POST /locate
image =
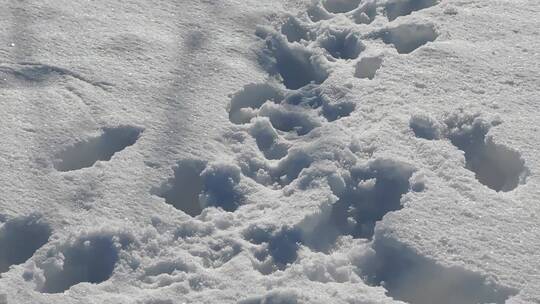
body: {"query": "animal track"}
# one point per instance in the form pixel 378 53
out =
pixel 86 153
pixel 89 258
pixel 197 185
pixel 412 278
pixel 20 238
pixel 365 192
pixel 495 166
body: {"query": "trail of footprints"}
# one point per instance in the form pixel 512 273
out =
pixel 289 106
pixel 294 102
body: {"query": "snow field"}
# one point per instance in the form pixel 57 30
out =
pixel 239 211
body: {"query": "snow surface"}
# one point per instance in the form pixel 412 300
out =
pixel 278 151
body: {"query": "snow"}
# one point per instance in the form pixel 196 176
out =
pixel 280 151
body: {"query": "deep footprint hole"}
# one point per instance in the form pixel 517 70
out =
pixel 102 148
pixel 495 166
pixel 375 190
pixel 278 247
pixel 20 238
pixel 296 65
pixel 283 247
pixel 197 185
pixel 342 44
pixel 370 192
pixel 289 168
pixel 90 259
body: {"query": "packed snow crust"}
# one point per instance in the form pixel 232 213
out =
pixel 279 151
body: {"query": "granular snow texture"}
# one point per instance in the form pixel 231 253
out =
pixel 279 151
